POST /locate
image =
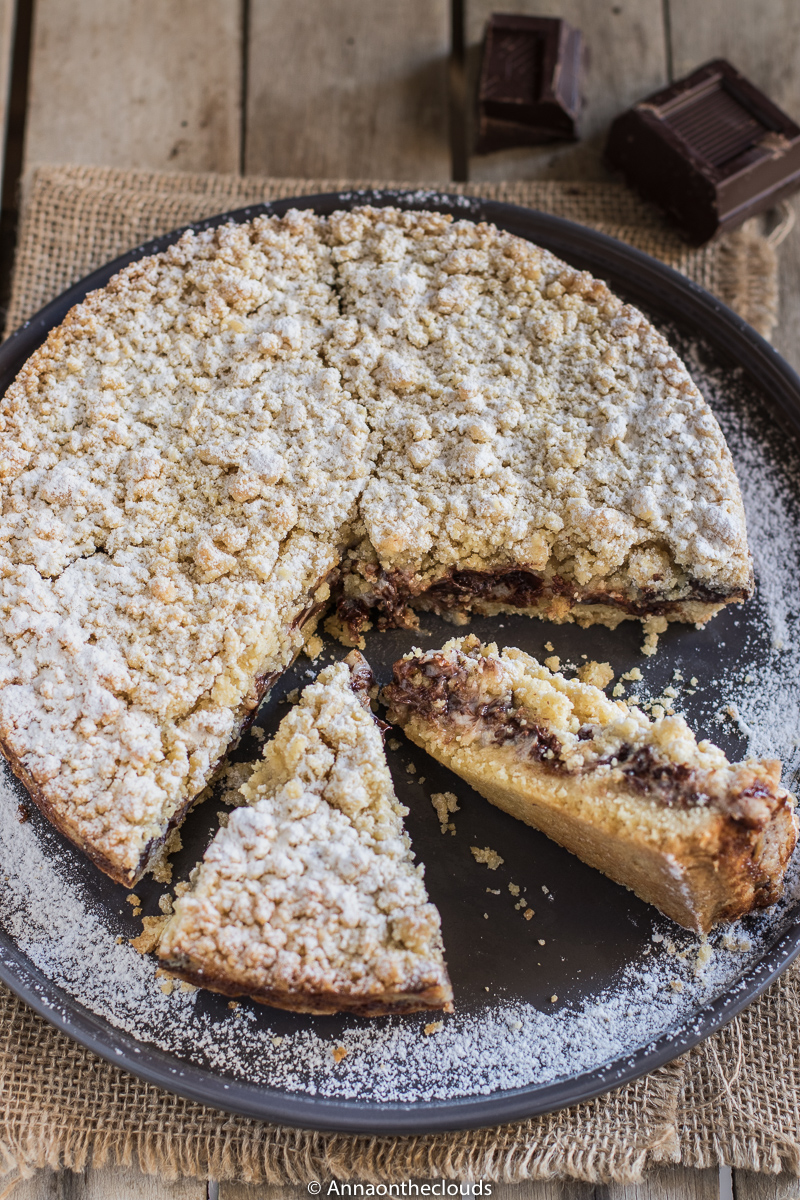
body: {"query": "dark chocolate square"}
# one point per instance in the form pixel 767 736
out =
pixel 711 149
pixel 529 87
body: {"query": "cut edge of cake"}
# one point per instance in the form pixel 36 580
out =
pixel 702 839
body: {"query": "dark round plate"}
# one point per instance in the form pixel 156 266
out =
pixel 586 931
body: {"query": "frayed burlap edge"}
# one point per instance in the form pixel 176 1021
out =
pixel 734 1099
pixel 62 1106
pixel 76 218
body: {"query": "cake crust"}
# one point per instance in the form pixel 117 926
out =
pixel 702 839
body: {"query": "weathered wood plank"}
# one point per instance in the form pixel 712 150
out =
pixel 552 1189
pixel 765 1187
pixel 763 41
pixel 348 89
pixel 627 59
pixel 107 1183
pixel 136 83
pixel 7 9
pixel 673 1183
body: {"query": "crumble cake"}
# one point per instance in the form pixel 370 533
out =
pixel 703 839
pixel 376 411
pixel 309 898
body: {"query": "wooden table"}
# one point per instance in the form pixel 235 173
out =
pixel 351 88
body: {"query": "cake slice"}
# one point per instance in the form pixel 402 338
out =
pixel 309 898
pixel 703 839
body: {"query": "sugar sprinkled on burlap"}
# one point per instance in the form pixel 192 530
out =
pixel 734 1099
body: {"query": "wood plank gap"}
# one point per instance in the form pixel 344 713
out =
pixel 667 12
pixel 13 146
pixel 245 21
pixel 458 95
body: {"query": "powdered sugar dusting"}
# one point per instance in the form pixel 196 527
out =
pixel 51 911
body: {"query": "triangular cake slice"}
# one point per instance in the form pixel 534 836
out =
pixel 703 839
pixel 309 898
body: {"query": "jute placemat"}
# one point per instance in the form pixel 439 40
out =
pixel 735 1099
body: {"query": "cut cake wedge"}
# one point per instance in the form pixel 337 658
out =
pixel 703 839
pixel 309 898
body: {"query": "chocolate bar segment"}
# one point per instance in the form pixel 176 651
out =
pixel 529 89
pixel 711 149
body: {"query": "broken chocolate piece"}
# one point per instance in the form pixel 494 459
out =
pixel 529 89
pixel 711 149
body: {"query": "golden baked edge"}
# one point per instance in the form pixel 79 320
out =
pixel 714 870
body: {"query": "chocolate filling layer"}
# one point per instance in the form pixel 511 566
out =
pixel 387 596
pixel 441 690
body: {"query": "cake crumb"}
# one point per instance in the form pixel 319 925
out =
pixel 528 914
pixel 445 803
pixel 618 690
pixel 187 987
pixel 394 744
pixel 634 675
pixel 694 681
pixel 293 696
pixel 148 939
pixel 541 941
pixel 233 1004
pixel 676 985
pixel 277 1041
pixel 435 1026
pixel 182 888
pixel 553 663
pixel 514 889
pixel 549 646
pixel 486 916
pixel 553 999
pixel 652 627
pixel 165 904
pixel 488 856
pixel 704 956
pixel 167 986
pixel 312 647
pixel 598 674
pixel 339 1052
pixel 411 769
pixel 546 890
pixel 493 891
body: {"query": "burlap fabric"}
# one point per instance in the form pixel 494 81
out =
pixel 735 1099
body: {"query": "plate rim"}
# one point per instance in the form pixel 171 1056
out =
pixel 645 280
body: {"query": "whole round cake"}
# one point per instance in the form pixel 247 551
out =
pixel 362 415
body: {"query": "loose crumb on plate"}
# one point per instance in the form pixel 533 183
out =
pixel 596 673
pixel 488 856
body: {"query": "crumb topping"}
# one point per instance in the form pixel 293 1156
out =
pixel 312 887
pixel 191 454
pixel 479 695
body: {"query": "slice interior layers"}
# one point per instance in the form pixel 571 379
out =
pixel 703 839
pixel 309 898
